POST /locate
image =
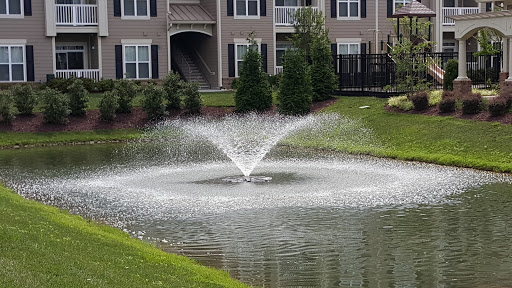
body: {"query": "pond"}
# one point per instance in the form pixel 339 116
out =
pixel 325 219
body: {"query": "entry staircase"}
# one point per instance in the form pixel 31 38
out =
pixel 185 61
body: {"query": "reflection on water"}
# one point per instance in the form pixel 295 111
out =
pixel 336 221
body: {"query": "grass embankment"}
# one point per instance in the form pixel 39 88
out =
pixel 441 140
pixel 42 246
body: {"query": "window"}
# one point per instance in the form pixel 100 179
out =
pixel 280 50
pixel 348 48
pixel 400 3
pixel 241 50
pixel 70 57
pixel 135 8
pixel 10 8
pixel 289 3
pixel 12 63
pixel 348 9
pixel 247 8
pixel 349 53
pixel 137 61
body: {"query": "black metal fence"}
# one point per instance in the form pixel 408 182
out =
pixel 375 74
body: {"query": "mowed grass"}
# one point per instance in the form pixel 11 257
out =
pixel 441 140
pixel 41 246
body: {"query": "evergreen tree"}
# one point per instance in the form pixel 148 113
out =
pixel 294 95
pixel 78 98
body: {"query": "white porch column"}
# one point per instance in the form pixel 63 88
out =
pixel 506 66
pixel 508 57
pixel 462 60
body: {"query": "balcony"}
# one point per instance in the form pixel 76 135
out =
pixel 454 11
pixel 284 14
pixel 83 73
pixel 76 14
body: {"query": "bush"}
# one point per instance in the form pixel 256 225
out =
pixel 172 85
pixel 55 106
pixel 78 98
pixel 192 99
pixel 434 97
pixel 153 101
pixel 447 104
pixel 508 97
pixel 447 94
pixel 7 110
pixel 472 103
pixel 253 93
pixel 294 95
pixel 323 79
pixel 108 105
pixel 126 90
pixel 450 74
pixel 400 102
pixel 24 98
pixel 420 100
pixel 498 106
pixel 104 85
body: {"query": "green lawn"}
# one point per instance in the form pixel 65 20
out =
pixel 41 246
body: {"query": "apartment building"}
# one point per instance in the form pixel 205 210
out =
pixel 204 40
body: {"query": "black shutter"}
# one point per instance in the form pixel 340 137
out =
pixel 363 48
pixel 333 9
pixel 231 60
pixel 334 50
pixel 27 6
pixel 29 51
pixel 154 61
pixel 308 2
pixel 488 6
pixel 152 8
pixel 119 62
pixel 363 8
pixel 391 8
pixel 117 8
pixel 230 8
pixel 263 7
pixel 265 59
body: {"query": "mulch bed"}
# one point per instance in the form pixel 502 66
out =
pixel 135 119
pixel 434 111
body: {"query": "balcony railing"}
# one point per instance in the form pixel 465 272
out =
pixel 84 73
pixel 284 15
pixel 76 14
pixel 454 11
pixel 279 69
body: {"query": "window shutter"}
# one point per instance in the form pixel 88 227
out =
pixel 265 59
pixel 154 62
pixel 119 62
pixel 363 48
pixel 152 8
pixel 308 2
pixel 334 50
pixel 391 8
pixel 27 6
pixel 117 8
pixel 263 7
pixel 231 60
pixel 230 8
pixel 363 8
pixel 333 9
pixel 29 51
pixel 488 6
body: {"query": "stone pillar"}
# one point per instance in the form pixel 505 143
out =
pixel 462 85
pixel 463 74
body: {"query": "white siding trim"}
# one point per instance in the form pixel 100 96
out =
pixel 137 41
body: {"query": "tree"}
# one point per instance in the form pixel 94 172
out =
pixel 172 86
pixel 294 95
pixel 308 26
pixel 78 98
pixel 254 92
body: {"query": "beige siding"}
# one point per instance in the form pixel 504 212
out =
pixel 208 50
pixel 154 29
pixel 32 29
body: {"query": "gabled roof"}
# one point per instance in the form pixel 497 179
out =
pixel 189 14
pixel 414 9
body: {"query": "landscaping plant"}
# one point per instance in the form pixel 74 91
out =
pixel 472 103
pixel 55 106
pixel 153 101
pixel 78 98
pixel 7 109
pixel 498 106
pixel 447 104
pixel 109 104
pixel 450 74
pixel 294 94
pixel 420 100
pixel 192 98
pixel 24 98
pixel 126 90
pixel 172 85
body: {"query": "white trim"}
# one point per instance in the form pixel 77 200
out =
pixel 137 41
pixel 403 2
pixel 348 17
pixel 257 16
pixel 245 43
pixel 219 43
pixel 13 41
pixel 348 47
pixel 85 52
pixel 135 17
pixel 137 61
pixel 13 16
pixel 24 62
pixel 348 40
pixel 100 57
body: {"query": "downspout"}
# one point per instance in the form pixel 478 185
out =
pixel 376 26
pixel 168 39
pixel 219 43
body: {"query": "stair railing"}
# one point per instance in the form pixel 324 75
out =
pixel 203 67
pixel 183 61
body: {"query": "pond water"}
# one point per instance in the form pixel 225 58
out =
pixel 325 220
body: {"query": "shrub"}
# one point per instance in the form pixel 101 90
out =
pixel 450 74
pixel 7 110
pixel 126 90
pixel 508 97
pixel 434 97
pixel 172 85
pixel 447 104
pixel 234 84
pixel 153 101
pixel 24 98
pixel 192 99
pixel 420 100
pixel 78 98
pixel 323 79
pixel 472 103
pixel 498 106
pixel 108 105
pixel 59 84
pixel 447 94
pixel 55 106
pixel 294 95
pixel 104 85
pixel 400 102
pixel 253 93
